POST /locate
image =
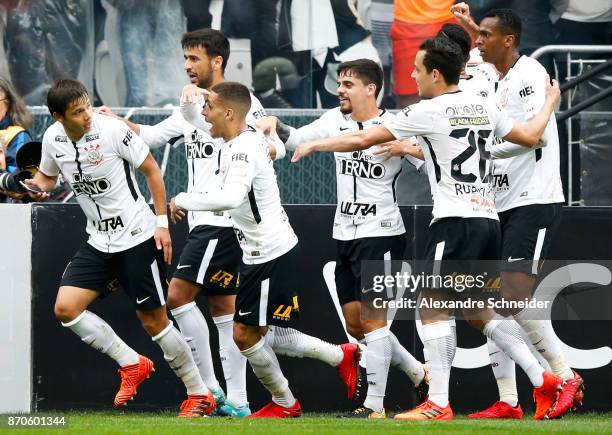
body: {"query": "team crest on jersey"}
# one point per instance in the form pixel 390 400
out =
pixel 94 156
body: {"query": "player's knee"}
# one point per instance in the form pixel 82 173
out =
pixel 355 330
pixel 66 312
pixel 178 295
pixel 244 336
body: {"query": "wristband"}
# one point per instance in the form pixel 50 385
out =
pixel 162 221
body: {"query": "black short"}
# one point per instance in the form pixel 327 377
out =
pixel 140 271
pixel 268 293
pixel 527 234
pixel 456 238
pixel 211 257
pixel 350 254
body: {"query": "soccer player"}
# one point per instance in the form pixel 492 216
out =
pixel 210 259
pixel 455 129
pixel 368 224
pixel 97 155
pixel 268 287
pixel 529 199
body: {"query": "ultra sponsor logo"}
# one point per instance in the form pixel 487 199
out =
pixel 283 312
pixel 110 224
pixel 357 208
pixel 222 278
pixel 85 184
pixel 500 182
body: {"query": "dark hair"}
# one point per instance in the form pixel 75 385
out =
pixel 63 93
pixel 18 112
pixel 509 22
pixel 458 35
pixel 365 70
pixel 214 42
pixel 234 95
pixel 444 55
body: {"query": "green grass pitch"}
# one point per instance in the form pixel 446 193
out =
pixel 167 423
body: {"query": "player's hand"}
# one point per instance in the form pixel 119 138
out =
pixel 163 241
pixel 267 124
pixel 104 110
pixel 399 148
pixel 461 11
pixel 302 150
pixel 176 214
pixel 36 196
pixel 553 93
pixel 192 94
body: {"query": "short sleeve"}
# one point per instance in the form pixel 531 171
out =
pixel 533 92
pixel 128 144
pixel 48 166
pixel 256 111
pixel 242 156
pixel 411 121
pixel 502 123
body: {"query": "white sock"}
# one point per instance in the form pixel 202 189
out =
pixel 178 356
pixel 543 338
pixel 440 350
pixel 267 369
pixel 234 364
pixel 291 342
pixel 194 328
pixel 98 334
pixel 534 351
pixel 377 363
pixel 506 334
pixel 505 374
pixel 404 360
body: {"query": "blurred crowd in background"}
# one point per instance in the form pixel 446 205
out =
pixel 128 52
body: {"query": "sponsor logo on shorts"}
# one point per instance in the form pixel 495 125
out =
pixel 222 278
pixel 112 285
pixel 283 312
pixel 240 313
pixel 512 260
pixel 183 266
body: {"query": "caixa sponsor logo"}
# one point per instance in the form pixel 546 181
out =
pixel 362 169
pixel 357 208
pixel 467 110
pixel 84 184
pixel 200 150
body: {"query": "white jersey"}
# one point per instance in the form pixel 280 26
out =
pixel 455 131
pixel 480 80
pixel 365 182
pixel 202 154
pixel 260 221
pixel 100 170
pixel 532 177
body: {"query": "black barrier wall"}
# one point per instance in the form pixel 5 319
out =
pixel 68 374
